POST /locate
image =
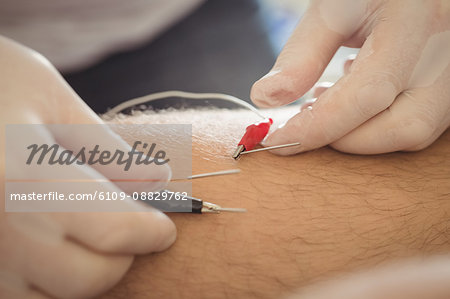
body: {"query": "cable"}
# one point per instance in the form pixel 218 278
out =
pixel 181 94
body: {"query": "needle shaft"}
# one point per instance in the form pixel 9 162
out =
pixel 235 210
pixel 270 148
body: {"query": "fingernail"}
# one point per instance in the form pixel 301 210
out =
pixel 278 138
pixel 163 176
pixel 264 142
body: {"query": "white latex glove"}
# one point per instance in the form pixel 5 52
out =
pixel 68 255
pixel 396 95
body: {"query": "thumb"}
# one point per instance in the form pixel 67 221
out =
pixel 321 31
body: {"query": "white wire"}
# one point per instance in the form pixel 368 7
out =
pixel 181 94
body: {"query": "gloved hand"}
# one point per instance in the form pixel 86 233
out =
pixel 396 95
pixel 67 254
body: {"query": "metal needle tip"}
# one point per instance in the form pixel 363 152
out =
pixel 238 151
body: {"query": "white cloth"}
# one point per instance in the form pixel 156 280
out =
pixel 74 34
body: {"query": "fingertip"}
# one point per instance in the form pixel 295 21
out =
pixel 167 232
pixel 279 137
pixel 162 176
pixel 156 233
pixel 301 128
pixel 277 88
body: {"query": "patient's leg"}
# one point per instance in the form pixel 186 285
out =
pixel 309 215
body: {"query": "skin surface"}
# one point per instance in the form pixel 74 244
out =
pixel 309 217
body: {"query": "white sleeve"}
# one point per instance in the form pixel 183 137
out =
pixel 74 34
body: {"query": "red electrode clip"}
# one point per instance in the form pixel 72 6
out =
pixel 254 134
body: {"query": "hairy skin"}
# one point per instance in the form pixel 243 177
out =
pixel 309 216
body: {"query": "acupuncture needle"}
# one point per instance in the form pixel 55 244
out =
pixel 216 173
pixel 199 206
pixel 269 148
pixel 207 207
pixel 194 205
pixel 190 204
